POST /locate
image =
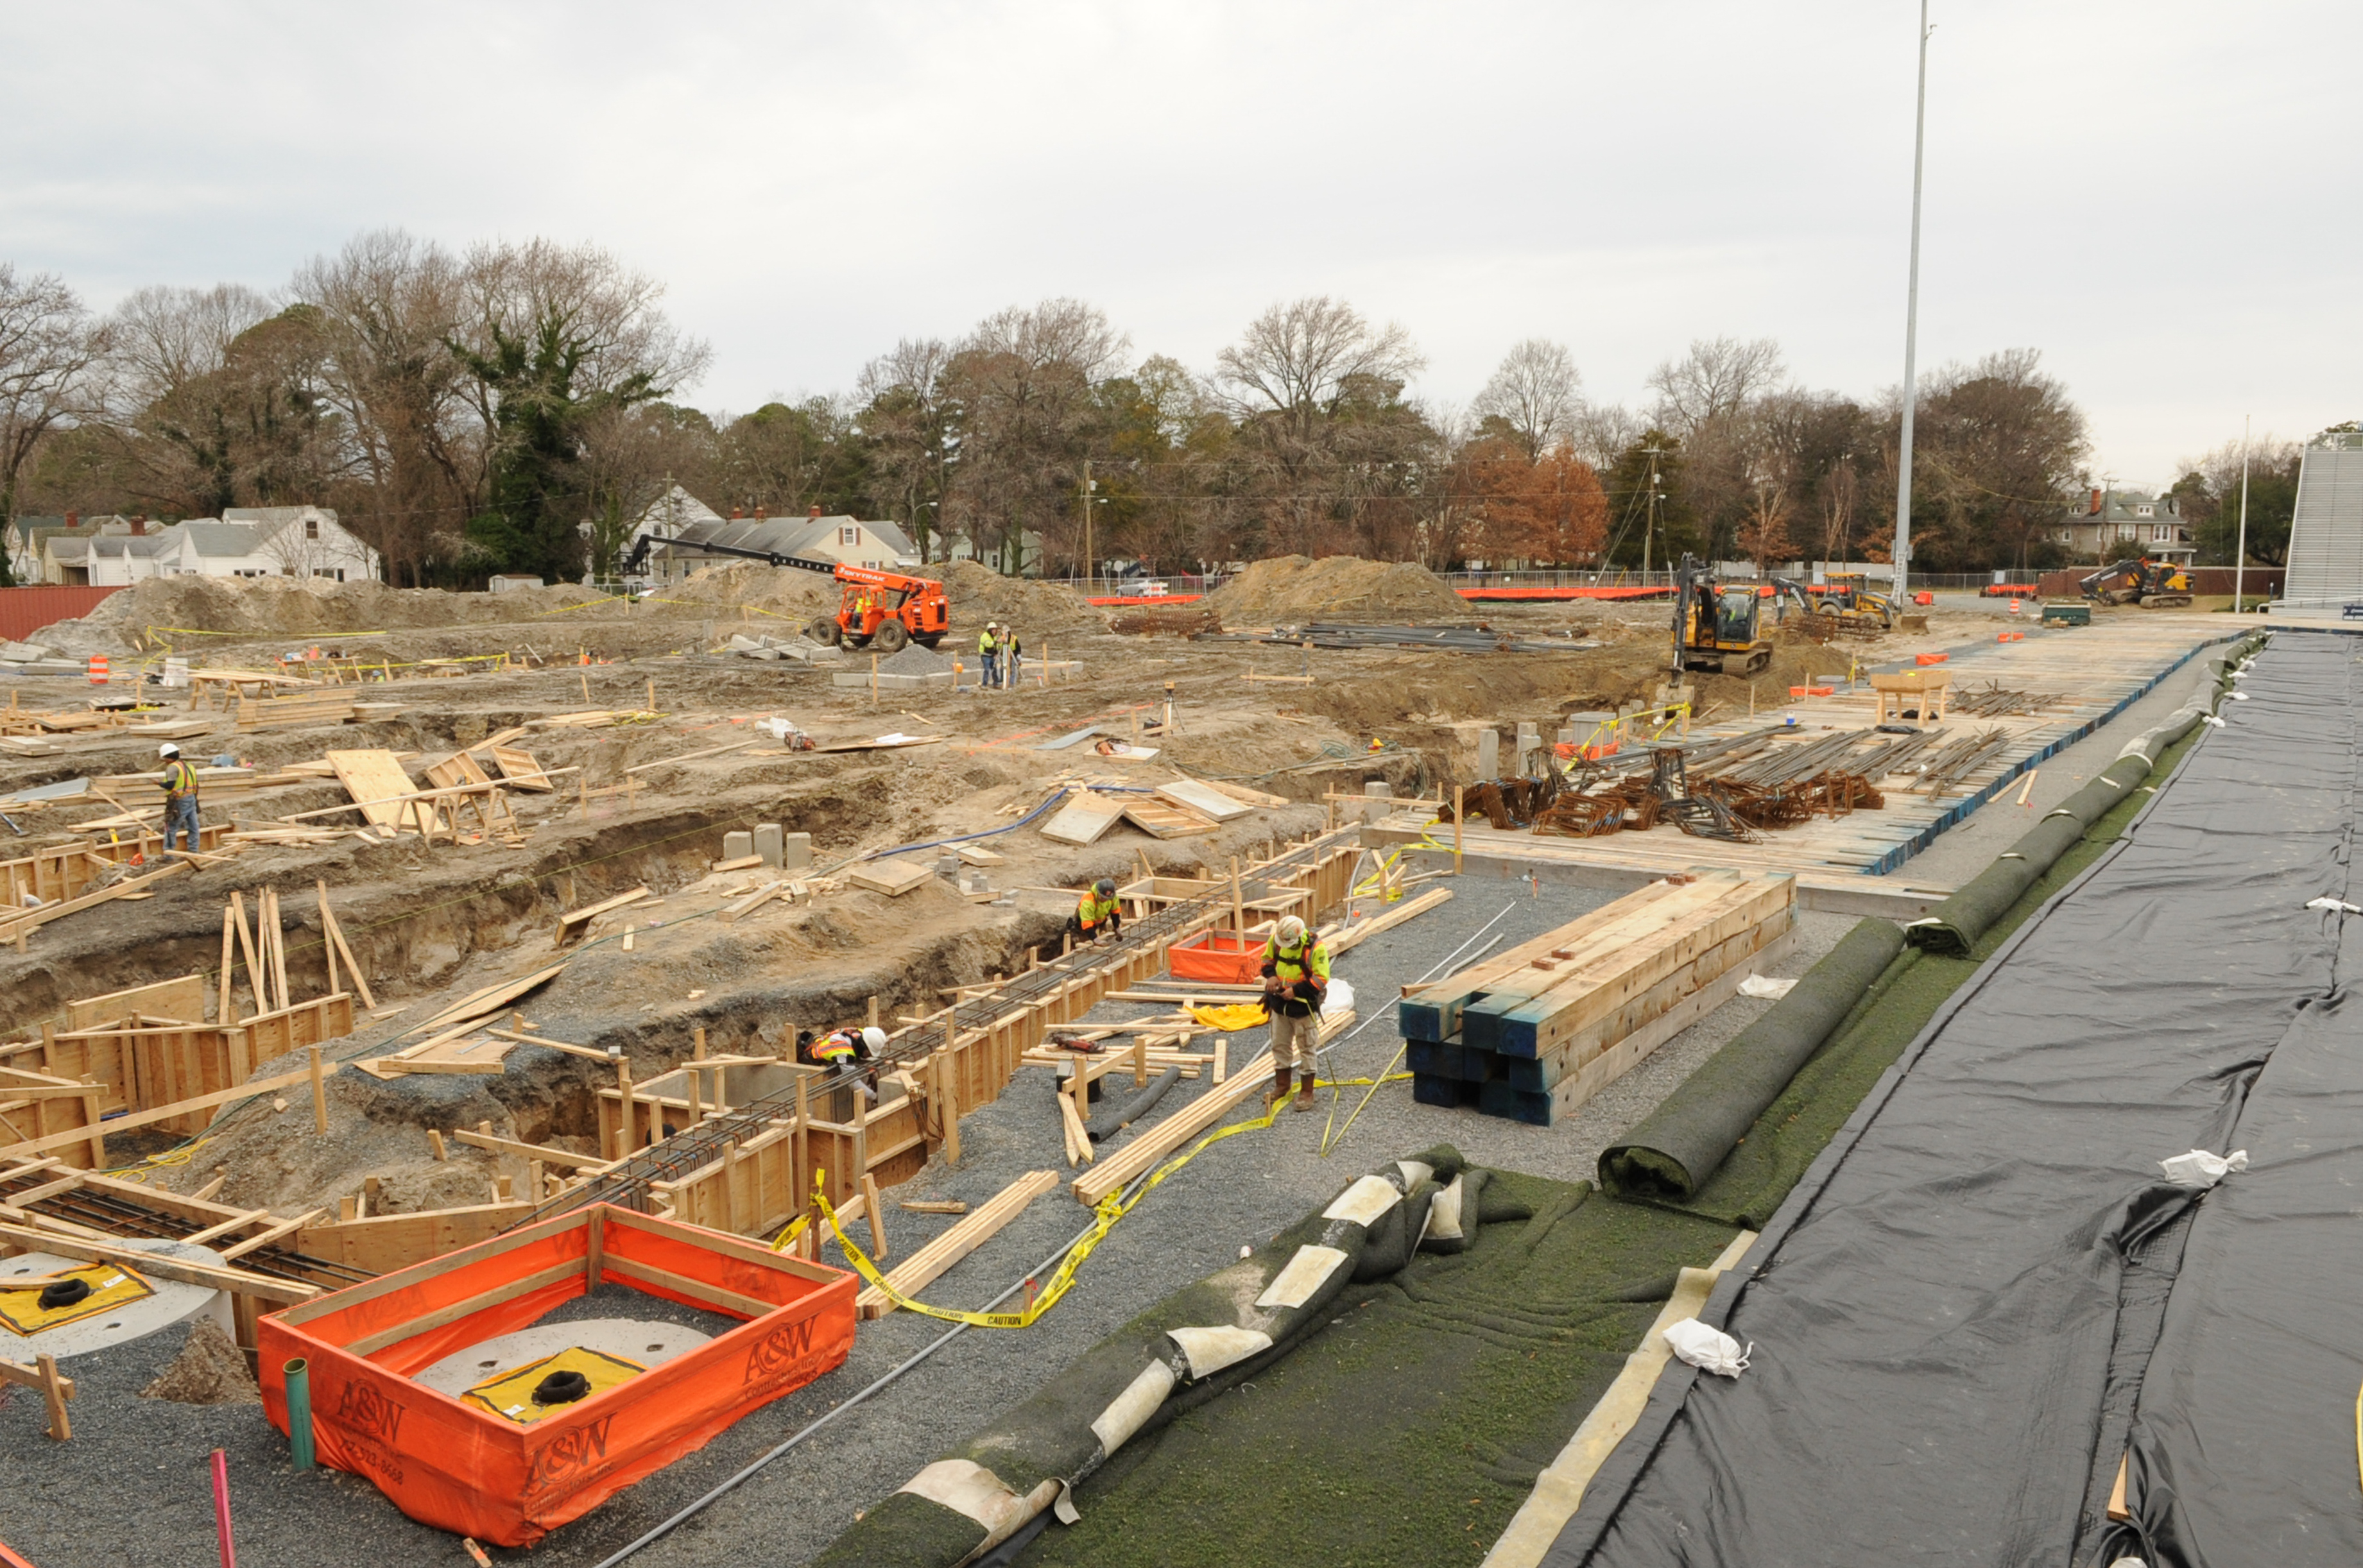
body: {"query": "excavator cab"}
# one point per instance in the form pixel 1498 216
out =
pixel 1716 627
pixel 2153 585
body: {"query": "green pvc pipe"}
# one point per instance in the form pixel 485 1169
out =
pixel 299 1411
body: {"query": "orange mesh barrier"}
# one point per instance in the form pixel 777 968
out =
pixel 467 1470
pixel 1217 956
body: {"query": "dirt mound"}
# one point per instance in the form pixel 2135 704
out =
pixel 209 1371
pixel 772 592
pixel 1288 589
pixel 167 609
pixel 913 659
pixel 978 594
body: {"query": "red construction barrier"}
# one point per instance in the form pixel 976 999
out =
pixel 1927 658
pixel 1217 956
pixel 1151 599
pixel 24 611
pixel 1564 592
pixel 465 1469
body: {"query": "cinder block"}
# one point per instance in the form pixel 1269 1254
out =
pixel 766 843
pixel 737 844
pixel 796 852
pixel 1489 754
pixel 1378 797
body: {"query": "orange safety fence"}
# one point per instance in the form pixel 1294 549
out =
pixel 468 1469
pixel 1221 955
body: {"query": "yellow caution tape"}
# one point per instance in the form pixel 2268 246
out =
pixel 1110 1210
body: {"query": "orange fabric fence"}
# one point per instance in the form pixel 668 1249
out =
pixel 473 1473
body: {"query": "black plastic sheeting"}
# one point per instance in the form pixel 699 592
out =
pixel 1674 1149
pixel 1952 1314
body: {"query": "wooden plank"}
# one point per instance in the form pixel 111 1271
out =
pixel 519 770
pixel 1203 799
pixel 523 1151
pixel 23 1239
pixel 697 1290
pixel 932 1261
pixel 573 919
pixel 463 1057
pixel 455 770
pixel 1409 909
pixel 370 1344
pixel 1084 820
pixel 1243 793
pixel 1435 1015
pixel 264 1238
pixel 161 1113
pixel 183 998
pixel 755 900
pixel 1161 819
pixel 29 919
pixel 377 784
pixel 491 998
pixel 892 877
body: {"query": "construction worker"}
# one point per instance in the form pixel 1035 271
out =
pixel 179 797
pixel 988 649
pixel 1012 656
pixel 1096 912
pixel 1295 981
pixel 841 1048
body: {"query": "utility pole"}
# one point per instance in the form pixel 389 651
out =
pixel 2240 555
pixel 1649 517
pixel 1087 525
pixel 1912 329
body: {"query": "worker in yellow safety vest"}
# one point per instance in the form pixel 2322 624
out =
pixel 842 1048
pixel 1295 982
pixel 1097 912
pixel 179 798
pixel 988 649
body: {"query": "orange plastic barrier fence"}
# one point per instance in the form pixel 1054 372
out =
pixel 1217 956
pixel 475 1472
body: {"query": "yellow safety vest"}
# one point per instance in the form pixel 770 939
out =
pixel 834 1049
pixel 1290 965
pixel 180 779
pixel 1091 908
pixel 984 643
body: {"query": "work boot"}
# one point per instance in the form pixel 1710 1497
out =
pixel 1304 1092
pixel 1279 1077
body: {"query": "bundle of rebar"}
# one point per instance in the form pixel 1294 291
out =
pixel 1996 700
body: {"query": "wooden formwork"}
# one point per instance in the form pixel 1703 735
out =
pixel 144 1060
pixel 36 1104
pixel 52 874
pixel 384 1242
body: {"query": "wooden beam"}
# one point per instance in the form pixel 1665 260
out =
pixel 370 1344
pixel 236 1222
pixel 264 1238
pixel 932 1261
pixel 23 1238
pixel 697 1290
pixel 522 1151
pixel 161 1113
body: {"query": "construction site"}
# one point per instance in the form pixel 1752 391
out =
pixel 1794 1086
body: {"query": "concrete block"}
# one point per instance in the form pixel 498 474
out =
pixel 737 844
pixel 796 852
pixel 1489 754
pixel 768 838
pixel 948 867
pixel 1378 799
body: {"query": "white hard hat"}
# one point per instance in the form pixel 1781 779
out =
pixel 168 749
pixel 1291 930
pixel 874 1037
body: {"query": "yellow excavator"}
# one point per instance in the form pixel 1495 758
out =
pixel 1715 627
pixel 2153 585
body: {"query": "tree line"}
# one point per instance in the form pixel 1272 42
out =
pixel 516 408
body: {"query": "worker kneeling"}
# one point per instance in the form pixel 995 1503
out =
pixel 1096 913
pixel 841 1048
pixel 1295 982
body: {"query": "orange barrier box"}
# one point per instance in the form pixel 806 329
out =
pixel 469 1470
pixel 1223 956
pixel 1927 658
pixel 1812 691
pixel 2010 636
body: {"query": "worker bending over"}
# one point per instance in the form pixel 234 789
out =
pixel 841 1048
pixel 179 797
pixel 1097 912
pixel 1295 982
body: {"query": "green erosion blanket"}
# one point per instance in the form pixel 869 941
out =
pixel 1677 1147
pixel 1409 1430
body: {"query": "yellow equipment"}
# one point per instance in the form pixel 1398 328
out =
pixel 2153 585
pixel 1715 625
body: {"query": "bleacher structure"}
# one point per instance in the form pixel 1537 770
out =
pixel 2325 551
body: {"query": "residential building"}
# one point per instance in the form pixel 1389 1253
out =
pixel 2116 524
pixel 665 517
pixel 853 541
pixel 253 541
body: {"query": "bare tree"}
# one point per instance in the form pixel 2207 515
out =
pixel 1537 393
pixel 1023 381
pixel 48 352
pixel 165 338
pixel 1603 432
pixel 1716 379
pixel 1300 359
pixel 909 417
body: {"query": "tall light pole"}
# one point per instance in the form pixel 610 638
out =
pixel 1911 328
pixel 2240 555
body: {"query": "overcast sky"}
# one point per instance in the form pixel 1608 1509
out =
pixel 2161 197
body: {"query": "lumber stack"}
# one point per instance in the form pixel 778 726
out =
pixel 1536 1032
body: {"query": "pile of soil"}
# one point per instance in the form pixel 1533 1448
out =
pixel 771 591
pixel 209 1371
pixel 978 594
pixel 294 607
pixel 1288 589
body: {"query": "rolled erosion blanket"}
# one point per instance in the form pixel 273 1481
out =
pixel 1955 925
pixel 1108 1123
pixel 1677 1146
pixel 1189 1347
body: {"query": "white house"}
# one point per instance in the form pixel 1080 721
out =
pixel 245 541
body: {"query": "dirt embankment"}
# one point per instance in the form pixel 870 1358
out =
pixel 1290 590
pixel 978 594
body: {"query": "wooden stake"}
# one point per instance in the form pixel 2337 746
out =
pixel 229 956
pixel 1459 816
pixel 327 947
pixel 624 1087
pixel 246 950
pixel 652 694
pixel 877 1216
pixel 435 1139
pixel 586 687
pixel 352 965
pixel 873 1012
pixel 319 1093
pixel 801 1175
pixel 55 1391
pixel 1238 906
